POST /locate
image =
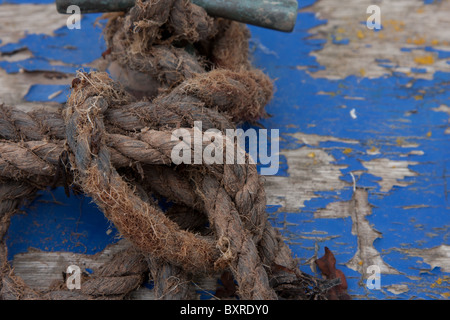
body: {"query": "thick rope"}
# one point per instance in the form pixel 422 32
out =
pixel 117 150
pixel 233 183
pixel 148 228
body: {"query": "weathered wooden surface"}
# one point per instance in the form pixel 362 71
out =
pixel 366 150
pixel 40 269
pixel 364 121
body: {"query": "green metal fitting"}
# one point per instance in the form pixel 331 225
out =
pixel 278 15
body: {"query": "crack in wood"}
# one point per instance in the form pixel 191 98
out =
pixel 358 208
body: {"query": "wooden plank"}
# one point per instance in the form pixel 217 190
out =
pixel 364 121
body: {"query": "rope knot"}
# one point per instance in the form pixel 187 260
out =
pixel 176 66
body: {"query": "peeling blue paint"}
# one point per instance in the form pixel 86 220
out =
pixel 441 54
pixel 388 103
pixel 74 47
pixel 337 41
pixel 419 70
pixel 47 92
pixel 26 1
pixel 34 65
pixel 431 1
pixel 389 116
pixel 66 52
pixel 73 225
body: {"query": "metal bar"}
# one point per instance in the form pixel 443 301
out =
pixel 279 15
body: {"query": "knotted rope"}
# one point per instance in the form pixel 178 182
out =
pixel 117 150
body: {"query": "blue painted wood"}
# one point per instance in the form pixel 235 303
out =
pixel 297 102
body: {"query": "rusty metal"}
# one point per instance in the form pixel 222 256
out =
pixel 279 15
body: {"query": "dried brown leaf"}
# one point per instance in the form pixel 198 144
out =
pixel 229 287
pixel 327 265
